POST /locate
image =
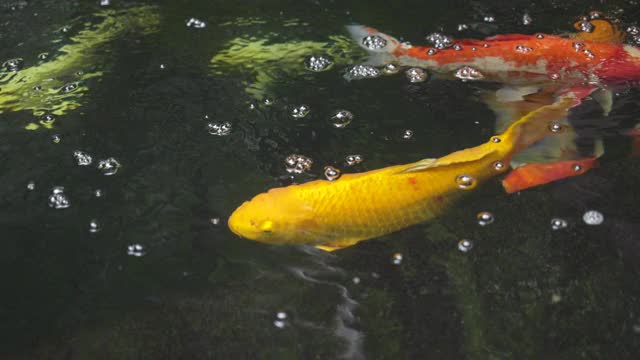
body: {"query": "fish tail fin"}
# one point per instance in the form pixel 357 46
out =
pixel 539 123
pixel 382 48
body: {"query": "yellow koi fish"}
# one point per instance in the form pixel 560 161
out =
pixel 331 215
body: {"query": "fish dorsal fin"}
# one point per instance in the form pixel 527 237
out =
pixel 418 166
pixel 509 37
pixel 603 30
pixel 458 157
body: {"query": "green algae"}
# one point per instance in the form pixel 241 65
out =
pixel 41 89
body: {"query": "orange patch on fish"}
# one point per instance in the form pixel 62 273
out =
pixel 531 175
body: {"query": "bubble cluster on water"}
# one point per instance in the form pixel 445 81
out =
pixel 396 259
pixel 31 185
pixel 300 111
pixel 489 19
pixel 109 166
pixel 390 69
pixel 485 218
pixel 593 217
pixel 331 173
pixel 318 63
pixel 633 35
pixel 82 158
pixel 94 226
pixel 463 27
pixel 362 71
pixel 136 250
pixel 13 64
pixel 523 49
pixel 439 40
pixel 297 164
pixel 527 19
pixel 558 224
pixel 219 128
pixel 465 245
pixel 341 118
pixel 468 73
pixel 466 182
pixel 416 75
pixel 374 42
pixel 586 26
pixel 196 23
pixel 354 159
pixel 58 199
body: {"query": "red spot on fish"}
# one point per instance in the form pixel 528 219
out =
pixel 414 183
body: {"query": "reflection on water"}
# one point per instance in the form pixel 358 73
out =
pixel 140 264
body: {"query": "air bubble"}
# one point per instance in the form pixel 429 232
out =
pixel 555 127
pixel 136 250
pixel 432 52
pixel 489 19
pixel 440 41
pixel 407 134
pixel 281 315
pixel 358 72
pixel 495 139
pixel 527 19
pixel 56 138
pixel 374 42
pixel 300 111
pixel 58 199
pixel 297 164
pixel 465 245
pixel 577 167
pixel 523 49
pixel 586 26
pixel 355 159
pixel 98 193
pixel 558 224
pixel 31 185
pixel 67 88
pixel 219 128
pixel 341 118
pixel 396 259
pixel 416 75
pixel 462 27
pixel 466 182
pixel 82 158
pixel 539 36
pixel 331 173
pixel 279 324
pixel 468 73
pixel 457 47
pixel 593 217
pixel 109 166
pixel 390 69
pixel 498 165
pixel 47 119
pixel 196 23
pixel 94 226
pixel 13 64
pixel 318 63
pixel 485 218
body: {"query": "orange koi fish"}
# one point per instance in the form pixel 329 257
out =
pixel 335 214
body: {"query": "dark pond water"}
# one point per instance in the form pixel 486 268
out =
pixel 141 265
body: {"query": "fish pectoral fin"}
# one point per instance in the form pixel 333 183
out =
pixel 604 97
pixel 603 30
pixel 530 175
pixel 328 248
